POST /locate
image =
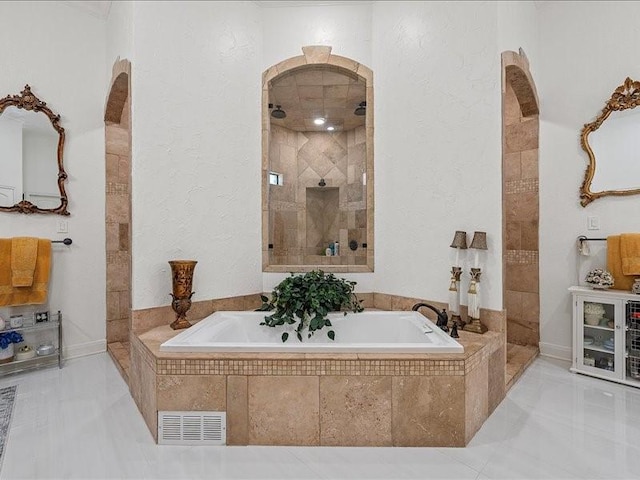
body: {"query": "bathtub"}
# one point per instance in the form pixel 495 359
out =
pixel 366 332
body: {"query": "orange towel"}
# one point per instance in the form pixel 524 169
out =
pixel 24 252
pixel 630 253
pixel 37 292
pixel 614 265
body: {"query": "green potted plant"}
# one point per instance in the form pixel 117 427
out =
pixel 307 299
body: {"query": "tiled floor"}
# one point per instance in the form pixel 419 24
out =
pixel 519 357
pixel 80 422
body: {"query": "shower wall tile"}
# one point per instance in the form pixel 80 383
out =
pixel 529 235
pixel 522 332
pixel 513 236
pixel 112 237
pixel 512 167
pixel 530 307
pixel 513 304
pixel 512 113
pixel 113 305
pixel 117 140
pixel 522 278
pixel 118 330
pixel 112 164
pixel 529 164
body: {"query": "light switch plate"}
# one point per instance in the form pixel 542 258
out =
pixel 62 226
pixel 593 223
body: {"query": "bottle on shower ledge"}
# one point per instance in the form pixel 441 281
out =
pixel 336 248
pixel 327 252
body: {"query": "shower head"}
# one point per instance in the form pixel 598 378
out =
pixel 278 112
pixel 361 109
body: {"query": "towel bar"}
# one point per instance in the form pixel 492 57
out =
pixel 66 241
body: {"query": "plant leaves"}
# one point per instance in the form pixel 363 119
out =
pixel 285 336
pixel 304 300
pixel 331 334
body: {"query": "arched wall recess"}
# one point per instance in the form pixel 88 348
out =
pixel 317 164
pixel 520 200
pixel 117 117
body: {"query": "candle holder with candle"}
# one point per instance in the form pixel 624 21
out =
pixel 478 243
pixel 459 243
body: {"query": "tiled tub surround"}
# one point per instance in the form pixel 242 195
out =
pixel 386 399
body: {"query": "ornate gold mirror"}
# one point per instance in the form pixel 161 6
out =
pixel 31 156
pixel 615 144
pixel 317 164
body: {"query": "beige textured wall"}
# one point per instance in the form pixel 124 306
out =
pixel 305 217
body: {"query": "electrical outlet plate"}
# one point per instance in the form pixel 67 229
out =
pixel 593 223
pixel 62 226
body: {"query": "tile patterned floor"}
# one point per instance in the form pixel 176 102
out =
pixel 81 423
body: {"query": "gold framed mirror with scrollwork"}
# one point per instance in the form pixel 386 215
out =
pixel 32 171
pixel 613 139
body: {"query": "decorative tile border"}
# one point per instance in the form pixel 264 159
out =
pixel 521 186
pixel 117 188
pixel 522 257
pixel 311 367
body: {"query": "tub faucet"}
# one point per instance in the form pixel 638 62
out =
pixel 443 318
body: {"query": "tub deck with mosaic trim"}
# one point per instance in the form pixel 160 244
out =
pixel 386 399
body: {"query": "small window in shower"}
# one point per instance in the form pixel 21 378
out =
pixel 275 178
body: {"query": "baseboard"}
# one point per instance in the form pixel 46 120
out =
pixel 84 349
pixel 555 351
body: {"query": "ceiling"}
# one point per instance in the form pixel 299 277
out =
pixel 318 92
pixel 96 8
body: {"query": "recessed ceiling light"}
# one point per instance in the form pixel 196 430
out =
pixel 319 121
pixel 331 129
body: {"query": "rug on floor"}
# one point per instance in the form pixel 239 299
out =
pixel 7 399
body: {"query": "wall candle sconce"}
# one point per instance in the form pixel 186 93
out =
pixel 459 242
pixel 479 242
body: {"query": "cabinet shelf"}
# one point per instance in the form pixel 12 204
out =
pixel 599 349
pixel 597 327
pixel 31 333
pixel 621 307
pixel 33 328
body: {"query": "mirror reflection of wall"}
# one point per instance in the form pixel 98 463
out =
pixel 613 145
pixel 616 145
pixel 28 148
pixel 317 161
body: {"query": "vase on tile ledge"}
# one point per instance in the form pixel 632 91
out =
pixel 182 275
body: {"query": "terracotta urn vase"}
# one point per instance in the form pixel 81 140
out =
pixel 182 274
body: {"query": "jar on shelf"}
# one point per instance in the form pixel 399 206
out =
pixel 589 360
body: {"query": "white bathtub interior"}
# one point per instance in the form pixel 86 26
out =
pixel 366 332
